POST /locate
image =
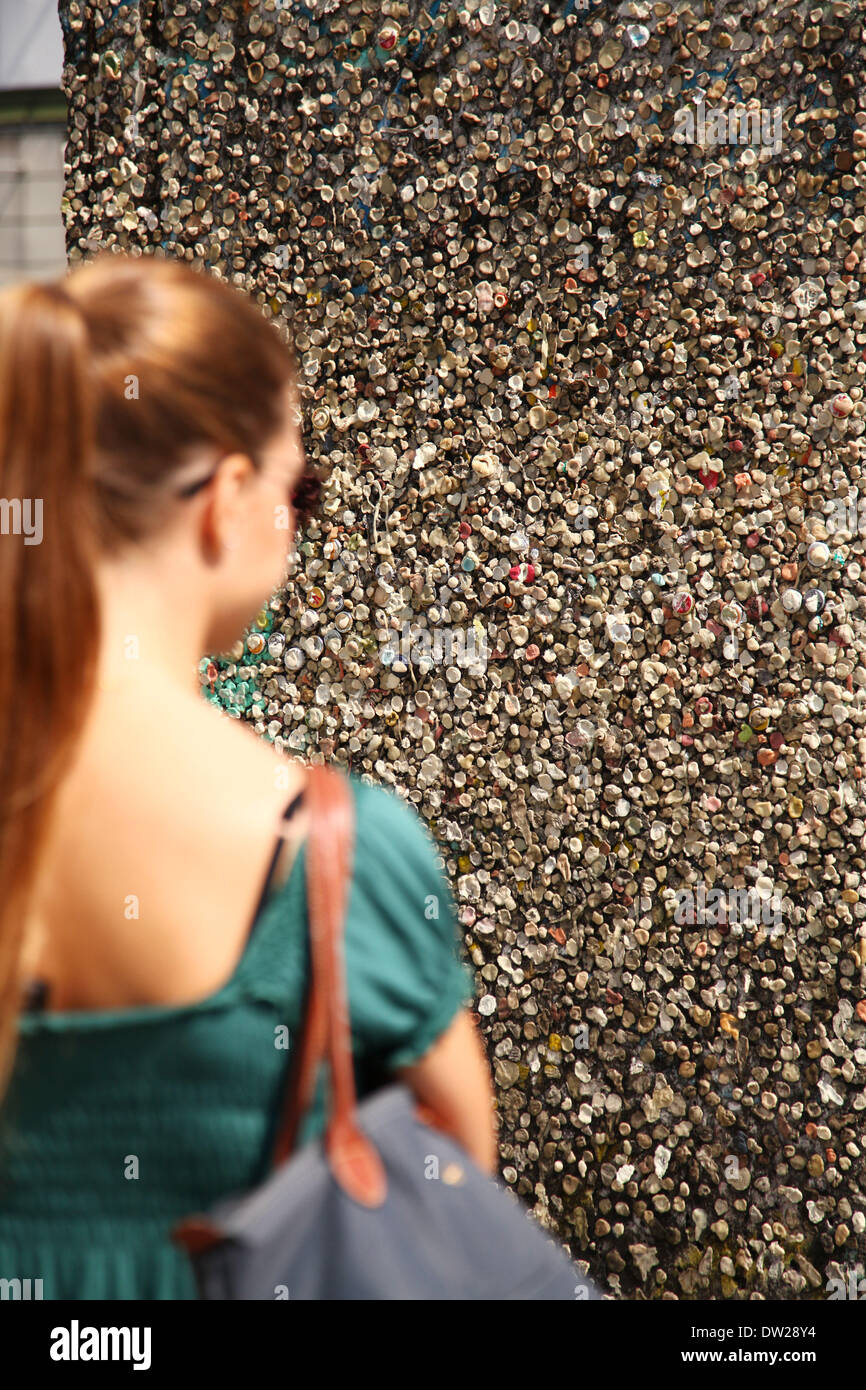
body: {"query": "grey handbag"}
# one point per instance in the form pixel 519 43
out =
pixel 385 1206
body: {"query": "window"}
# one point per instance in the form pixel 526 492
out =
pixel 32 240
pixel 32 136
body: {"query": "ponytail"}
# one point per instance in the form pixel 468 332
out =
pixel 48 609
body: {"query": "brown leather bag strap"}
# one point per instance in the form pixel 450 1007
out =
pixel 313 1045
pixel 353 1159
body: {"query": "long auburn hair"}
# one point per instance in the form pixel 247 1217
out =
pixel 111 378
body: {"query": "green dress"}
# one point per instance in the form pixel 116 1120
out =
pixel 119 1123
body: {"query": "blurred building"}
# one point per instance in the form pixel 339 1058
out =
pixel 32 138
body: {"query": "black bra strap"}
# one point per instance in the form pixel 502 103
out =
pixel 266 888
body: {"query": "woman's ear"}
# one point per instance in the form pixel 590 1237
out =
pixel 224 501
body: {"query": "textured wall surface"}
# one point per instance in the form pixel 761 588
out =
pixel 578 305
